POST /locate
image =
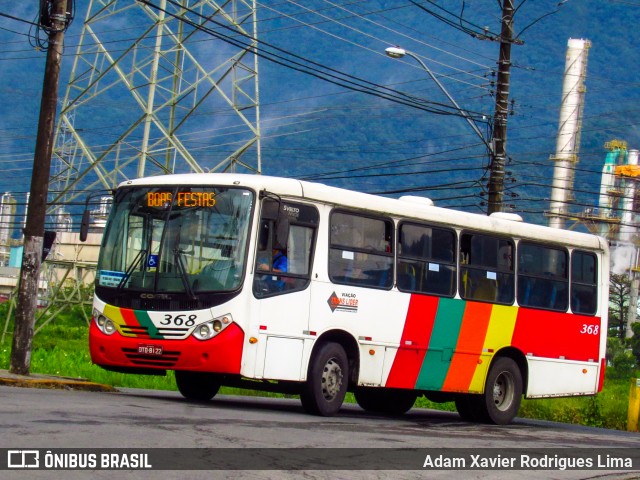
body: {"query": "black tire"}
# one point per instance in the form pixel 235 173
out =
pixel 198 386
pixel 386 401
pixel 469 407
pixel 327 381
pixel 500 401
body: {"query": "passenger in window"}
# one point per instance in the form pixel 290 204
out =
pixel 505 258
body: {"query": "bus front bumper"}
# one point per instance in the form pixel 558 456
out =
pixel 220 354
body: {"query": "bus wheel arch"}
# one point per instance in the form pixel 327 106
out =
pixel 520 359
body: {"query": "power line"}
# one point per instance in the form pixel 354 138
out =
pixel 315 69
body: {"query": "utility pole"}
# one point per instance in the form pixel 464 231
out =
pixel 498 159
pixel 54 22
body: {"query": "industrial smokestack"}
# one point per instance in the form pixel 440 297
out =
pixel 628 226
pixel 568 140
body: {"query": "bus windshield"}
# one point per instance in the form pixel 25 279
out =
pixel 176 239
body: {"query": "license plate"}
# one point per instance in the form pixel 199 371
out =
pixel 150 349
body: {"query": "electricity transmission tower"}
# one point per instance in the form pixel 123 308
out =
pixel 157 88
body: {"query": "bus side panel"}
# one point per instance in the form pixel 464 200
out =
pixel 499 334
pixel 414 342
pixel 467 355
pixel 374 318
pixel 444 337
pixel 460 339
pixel 561 378
pixel 558 335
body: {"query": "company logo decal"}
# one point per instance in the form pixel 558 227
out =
pixel 346 302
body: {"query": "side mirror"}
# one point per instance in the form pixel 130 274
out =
pixel 270 209
pixel 84 225
pixel 282 231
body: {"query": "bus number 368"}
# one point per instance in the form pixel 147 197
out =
pixel 181 320
pixel 590 329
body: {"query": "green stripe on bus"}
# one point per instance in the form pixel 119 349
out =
pixel 145 321
pixel 442 344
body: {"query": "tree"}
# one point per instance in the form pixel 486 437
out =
pixel 619 290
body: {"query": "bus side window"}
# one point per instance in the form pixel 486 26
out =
pixel 584 286
pixel 486 268
pixel 360 250
pixel 283 265
pixel 426 261
pixel 542 276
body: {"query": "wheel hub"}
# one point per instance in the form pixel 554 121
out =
pixel 331 379
pixel 503 391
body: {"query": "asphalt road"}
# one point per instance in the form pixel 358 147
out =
pixel 139 419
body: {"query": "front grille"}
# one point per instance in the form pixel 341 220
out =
pixel 135 330
pixel 141 331
pixel 166 360
pixel 173 332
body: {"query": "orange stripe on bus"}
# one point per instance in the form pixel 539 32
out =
pixel 475 323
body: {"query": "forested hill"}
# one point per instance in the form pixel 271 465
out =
pixel 315 129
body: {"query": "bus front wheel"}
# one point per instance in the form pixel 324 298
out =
pixel 500 401
pixel 198 386
pixel 327 381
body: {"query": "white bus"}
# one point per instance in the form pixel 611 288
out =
pixel 279 284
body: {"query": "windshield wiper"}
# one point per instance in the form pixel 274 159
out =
pixel 183 272
pixel 142 254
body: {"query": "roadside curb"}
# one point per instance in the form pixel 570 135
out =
pixel 52 382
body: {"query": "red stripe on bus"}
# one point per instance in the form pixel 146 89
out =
pixel 473 331
pixel 129 317
pixel 554 335
pixel 417 331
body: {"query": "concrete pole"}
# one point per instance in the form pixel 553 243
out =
pixel 495 186
pixel 36 210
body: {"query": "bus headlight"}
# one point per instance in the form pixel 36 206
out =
pixel 208 330
pixel 105 325
pixel 203 331
pixel 109 327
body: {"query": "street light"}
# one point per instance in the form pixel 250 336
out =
pixel 397 52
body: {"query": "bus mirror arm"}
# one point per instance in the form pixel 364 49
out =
pixel 84 225
pixel 274 211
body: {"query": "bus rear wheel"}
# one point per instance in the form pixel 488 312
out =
pixel 327 381
pixel 198 386
pixel 385 401
pixel 500 401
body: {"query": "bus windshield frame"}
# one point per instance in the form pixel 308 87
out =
pixel 179 240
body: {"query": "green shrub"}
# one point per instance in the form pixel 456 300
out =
pixel 623 365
